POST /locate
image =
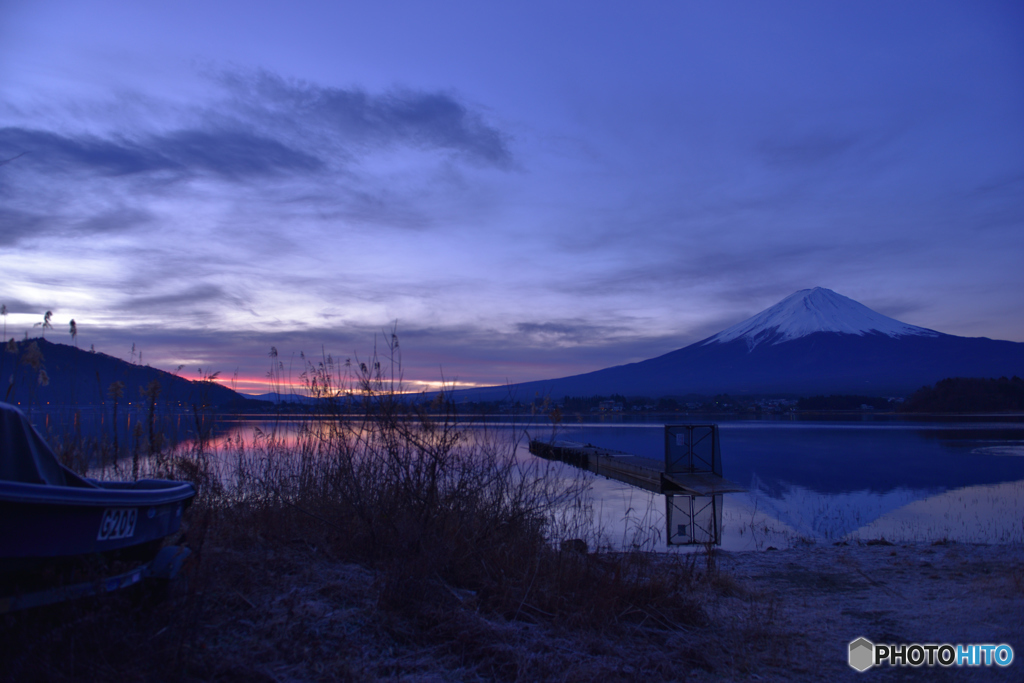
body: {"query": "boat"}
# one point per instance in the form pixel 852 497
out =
pixel 52 518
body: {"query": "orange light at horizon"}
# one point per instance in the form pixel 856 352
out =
pixel 255 386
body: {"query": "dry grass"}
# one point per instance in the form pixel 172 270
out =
pixel 394 547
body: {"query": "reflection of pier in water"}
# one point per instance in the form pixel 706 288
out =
pixel 690 477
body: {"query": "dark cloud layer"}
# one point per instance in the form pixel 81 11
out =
pixel 196 296
pixel 231 154
pixel 294 117
pixel 234 153
pixel 50 152
pixel 402 116
pixel 16 225
pixel 269 139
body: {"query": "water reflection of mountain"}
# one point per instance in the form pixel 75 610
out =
pixel 827 516
pixel 842 458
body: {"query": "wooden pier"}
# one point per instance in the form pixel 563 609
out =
pixel 645 473
pixel 690 477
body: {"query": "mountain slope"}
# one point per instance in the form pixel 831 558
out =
pixel 815 310
pixel 812 342
pixel 78 377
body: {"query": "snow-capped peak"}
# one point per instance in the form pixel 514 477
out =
pixel 815 310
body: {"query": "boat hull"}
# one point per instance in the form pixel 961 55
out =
pixel 49 522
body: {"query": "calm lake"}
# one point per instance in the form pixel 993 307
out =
pixel 820 481
pixel 827 481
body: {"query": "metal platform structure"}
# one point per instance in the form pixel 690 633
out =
pixel 690 477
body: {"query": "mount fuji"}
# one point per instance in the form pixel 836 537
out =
pixel 810 311
pixel 814 341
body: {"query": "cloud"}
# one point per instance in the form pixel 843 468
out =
pixel 15 306
pixel 18 224
pixel 50 152
pixel 257 149
pixel 353 118
pixel 192 297
pixel 257 124
pixel 809 150
pixel 120 219
pixel 234 154
pixel 230 154
pixel 569 332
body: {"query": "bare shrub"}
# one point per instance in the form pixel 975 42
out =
pixel 380 538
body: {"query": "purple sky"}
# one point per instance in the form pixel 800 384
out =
pixel 531 189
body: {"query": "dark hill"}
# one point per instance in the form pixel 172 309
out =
pixel 71 376
pixel 969 395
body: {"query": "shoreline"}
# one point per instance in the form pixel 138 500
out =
pixel 262 609
pixel 945 592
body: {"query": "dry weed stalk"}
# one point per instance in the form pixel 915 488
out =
pixel 456 541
